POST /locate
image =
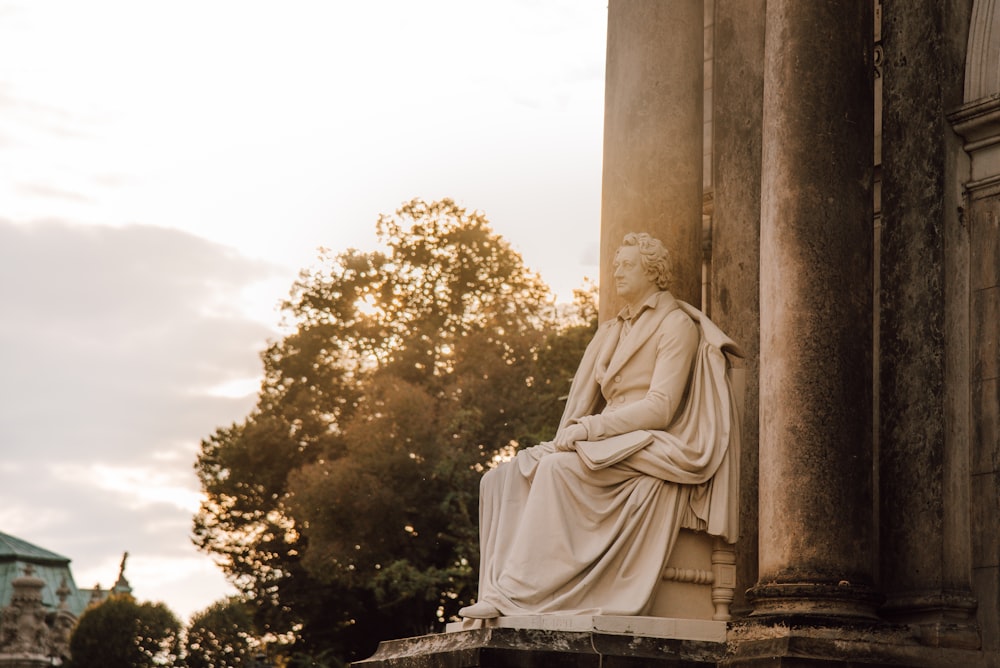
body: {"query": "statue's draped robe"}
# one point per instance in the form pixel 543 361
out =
pixel 560 538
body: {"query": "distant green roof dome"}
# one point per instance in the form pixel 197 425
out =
pixel 15 549
pixel 16 555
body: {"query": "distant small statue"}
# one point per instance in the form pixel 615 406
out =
pixel 121 585
pixel 647 445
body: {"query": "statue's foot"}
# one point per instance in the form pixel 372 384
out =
pixel 481 610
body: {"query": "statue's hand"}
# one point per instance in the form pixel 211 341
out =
pixel 567 437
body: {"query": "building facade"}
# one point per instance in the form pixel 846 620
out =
pixel 851 195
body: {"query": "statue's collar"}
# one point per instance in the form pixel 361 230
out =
pixel 654 301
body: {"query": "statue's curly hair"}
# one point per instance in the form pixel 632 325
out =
pixel 654 256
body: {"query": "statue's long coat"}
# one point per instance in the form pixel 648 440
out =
pixel 560 538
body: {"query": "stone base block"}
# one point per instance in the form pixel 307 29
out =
pixel 756 645
pixel 570 642
pixel 640 642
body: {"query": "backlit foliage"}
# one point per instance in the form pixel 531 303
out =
pixel 345 505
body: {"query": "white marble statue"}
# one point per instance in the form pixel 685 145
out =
pixel 648 444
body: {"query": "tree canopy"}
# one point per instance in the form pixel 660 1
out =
pixel 222 636
pixel 121 633
pixel 345 505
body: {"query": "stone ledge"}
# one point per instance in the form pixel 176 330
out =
pixel 508 647
pixel 646 627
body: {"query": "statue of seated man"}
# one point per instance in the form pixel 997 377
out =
pixel 647 445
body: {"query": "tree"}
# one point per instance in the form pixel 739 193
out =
pixel 345 505
pixel 222 636
pixel 120 633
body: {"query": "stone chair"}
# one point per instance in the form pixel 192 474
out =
pixel 699 580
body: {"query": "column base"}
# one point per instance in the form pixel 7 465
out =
pixel 804 601
pixel 761 645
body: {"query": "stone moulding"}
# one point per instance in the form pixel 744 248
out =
pixel 978 123
pixel 835 601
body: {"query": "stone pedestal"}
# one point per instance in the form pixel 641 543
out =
pixel 598 643
pixel 816 646
pixel 637 642
pixel 653 137
pixel 816 523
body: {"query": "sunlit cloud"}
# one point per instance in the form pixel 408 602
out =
pixel 183 451
pixel 237 388
pixel 137 486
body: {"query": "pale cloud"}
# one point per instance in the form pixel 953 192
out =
pixel 281 129
pixel 114 337
pixel 17 518
pixel 114 346
pixel 44 191
pixel 135 487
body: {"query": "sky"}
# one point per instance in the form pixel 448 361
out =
pixel 167 168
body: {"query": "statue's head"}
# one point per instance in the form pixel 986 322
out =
pixel 653 255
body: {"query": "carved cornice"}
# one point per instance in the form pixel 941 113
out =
pixel 978 123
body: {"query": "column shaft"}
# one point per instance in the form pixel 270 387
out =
pixel 738 94
pixel 816 515
pixel 923 354
pixel 653 136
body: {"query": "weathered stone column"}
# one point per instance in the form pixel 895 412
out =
pixel 926 567
pixel 816 312
pixel 653 136
pixel 738 93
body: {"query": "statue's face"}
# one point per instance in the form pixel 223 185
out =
pixel 631 281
